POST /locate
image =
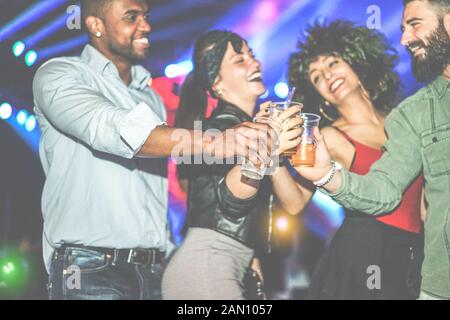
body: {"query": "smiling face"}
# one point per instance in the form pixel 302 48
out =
pixel 240 76
pixel 419 21
pixel 333 78
pixel 426 38
pixel 124 30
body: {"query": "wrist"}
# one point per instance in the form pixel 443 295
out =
pixel 275 170
pixel 334 185
pixel 333 168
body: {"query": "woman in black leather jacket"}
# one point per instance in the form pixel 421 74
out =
pixel 224 208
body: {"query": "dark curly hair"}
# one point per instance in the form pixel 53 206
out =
pixel 366 51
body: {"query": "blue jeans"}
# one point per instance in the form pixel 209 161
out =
pixel 83 274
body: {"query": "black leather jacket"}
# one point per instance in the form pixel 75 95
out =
pixel 212 205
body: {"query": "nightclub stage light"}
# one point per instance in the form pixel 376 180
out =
pixel 180 29
pixel 62 47
pixel 282 223
pixel 22 117
pixel 30 58
pixel 8 268
pixel 30 124
pixel 281 90
pixel 5 111
pixel 32 14
pixel 18 48
pixel 57 24
pixel 264 95
pixel 179 69
pixel 14 273
pixel 18 122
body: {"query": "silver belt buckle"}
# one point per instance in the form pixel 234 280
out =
pixel 115 257
pixel 131 255
pixel 152 257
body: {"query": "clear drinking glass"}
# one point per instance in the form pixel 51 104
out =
pixel 250 169
pixel 306 151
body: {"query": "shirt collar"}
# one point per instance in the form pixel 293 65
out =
pixel 441 84
pixel 140 77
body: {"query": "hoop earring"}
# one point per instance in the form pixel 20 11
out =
pixel 322 111
pixel 364 91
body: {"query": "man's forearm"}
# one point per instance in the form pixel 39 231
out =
pixel 165 142
pixel 251 140
pixel 373 193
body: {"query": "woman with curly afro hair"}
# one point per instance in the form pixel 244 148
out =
pixel 346 73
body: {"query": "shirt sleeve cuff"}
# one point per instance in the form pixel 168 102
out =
pixel 344 179
pixel 137 126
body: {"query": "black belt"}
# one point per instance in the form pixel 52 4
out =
pixel 133 256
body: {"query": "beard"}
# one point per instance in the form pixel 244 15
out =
pixel 437 55
pixel 127 51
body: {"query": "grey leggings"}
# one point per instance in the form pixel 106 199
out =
pixel 208 266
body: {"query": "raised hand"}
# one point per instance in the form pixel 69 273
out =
pixel 253 141
pixel 290 135
pixel 322 163
pixel 286 124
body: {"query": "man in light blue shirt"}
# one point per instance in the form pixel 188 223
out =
pixel 103 141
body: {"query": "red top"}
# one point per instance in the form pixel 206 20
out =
pixel 407 215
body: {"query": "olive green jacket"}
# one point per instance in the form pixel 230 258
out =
pixel 418 139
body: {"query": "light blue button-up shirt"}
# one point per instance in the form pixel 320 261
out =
pixel 96 192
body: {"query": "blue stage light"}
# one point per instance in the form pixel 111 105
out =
pixel 179 69
pixel 281 90
pixel 28 17
pixel 30 124
pixel 182 29
pixel 18 48
pixel 33 39
pixel 264 95
pixel 62 47
pixel 5 111
pixel 23 125
pixel 171 70
pixel 30 58
pixel 22 117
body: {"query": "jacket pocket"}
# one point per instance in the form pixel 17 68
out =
pixel 436 152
